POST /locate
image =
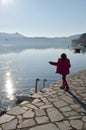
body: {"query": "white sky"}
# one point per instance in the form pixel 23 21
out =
pixel 49 18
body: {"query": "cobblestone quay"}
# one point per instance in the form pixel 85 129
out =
pixel 55 109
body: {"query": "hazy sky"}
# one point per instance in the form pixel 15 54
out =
pixel 43 17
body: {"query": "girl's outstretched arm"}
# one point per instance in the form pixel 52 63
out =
pixel 53 63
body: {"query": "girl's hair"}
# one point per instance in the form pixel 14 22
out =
pixel 63 56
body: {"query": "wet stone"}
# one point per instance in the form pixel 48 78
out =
pixel 19 117
pixel 67 99
pixel 71 113
pixel 54 92
pixel 46 106
pixel 75 106
pixel 53 95
pixel 78 124
pixel 84 126
pixel 44 100
pixel 27 123
pixel 36 101
pixel 28 114
pixel 32 106
pixel 60 104
pixel 6 118
pixel 10 125
pixel 47 89
pixel 25 108
pixel 54 114
pixel 24 102
pixel 53 99
pixel 84 118
pixel 45 127
pixel 74 117
pixel 41 120
pixel 39 104
pixel 40 112
pixel 37 95
pixel 16 111
pixel 63 126
pixel 65 109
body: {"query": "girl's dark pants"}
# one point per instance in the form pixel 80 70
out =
pixel 65 84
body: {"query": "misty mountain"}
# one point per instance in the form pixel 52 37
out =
pixel 17 35
pixel 17 42
pixel 11 35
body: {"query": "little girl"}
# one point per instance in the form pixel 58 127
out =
pixel 62 67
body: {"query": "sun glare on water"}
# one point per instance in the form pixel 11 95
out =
pixel 9 86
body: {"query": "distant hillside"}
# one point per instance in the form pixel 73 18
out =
pixel 34 42
pixel 81 40
pixel 11 35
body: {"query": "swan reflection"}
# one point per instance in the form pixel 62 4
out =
pixel 9 86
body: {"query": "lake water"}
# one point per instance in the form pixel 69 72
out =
pixel 19 70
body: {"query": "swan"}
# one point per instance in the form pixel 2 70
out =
pixel 44 83
pixel 36 83
pixel 34 90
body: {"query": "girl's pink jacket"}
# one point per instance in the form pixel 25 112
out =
pixel 62 67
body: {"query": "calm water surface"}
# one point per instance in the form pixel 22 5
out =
pixel 18 71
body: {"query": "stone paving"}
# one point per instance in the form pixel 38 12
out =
pixel 54 109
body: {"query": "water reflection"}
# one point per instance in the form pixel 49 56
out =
pixel 83 50
pixel 9 86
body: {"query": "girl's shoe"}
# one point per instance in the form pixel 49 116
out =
pixel 66 89
pixel 62 87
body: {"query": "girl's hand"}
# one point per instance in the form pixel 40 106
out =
pixel 50 62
